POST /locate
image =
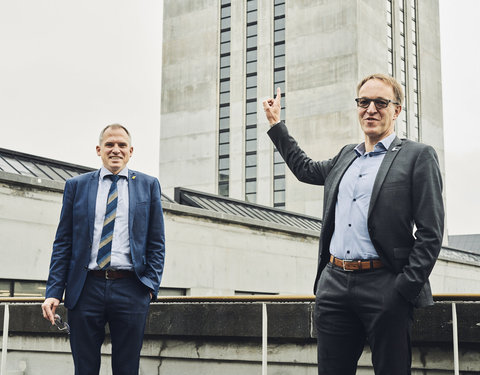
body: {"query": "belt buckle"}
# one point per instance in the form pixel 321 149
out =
pixel 343 265
pixel 106 275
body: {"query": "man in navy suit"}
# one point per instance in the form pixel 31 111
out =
pixel 118 289
pixel 381 233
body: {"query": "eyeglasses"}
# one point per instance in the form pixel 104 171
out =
pixel 61 325
pixel 379 103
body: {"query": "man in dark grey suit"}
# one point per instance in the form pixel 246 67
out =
pixel 382 232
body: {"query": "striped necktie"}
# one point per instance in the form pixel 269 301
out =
pixel 105 247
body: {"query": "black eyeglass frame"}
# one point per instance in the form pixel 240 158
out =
pixel 377 101
pixel 61 325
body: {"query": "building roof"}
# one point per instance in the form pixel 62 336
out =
pixel 464 256
pixel 237 207
pixel 35 166
pixel 468 242
pixel 23 164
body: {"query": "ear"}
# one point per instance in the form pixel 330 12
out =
pixel 398 109
pixel 98 150
pixel 131 150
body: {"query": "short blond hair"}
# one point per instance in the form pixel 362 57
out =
pixel 397 87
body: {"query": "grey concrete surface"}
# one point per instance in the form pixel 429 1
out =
pixel 225 338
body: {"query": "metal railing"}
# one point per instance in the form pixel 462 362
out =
pixel 263 299
pixel 442 297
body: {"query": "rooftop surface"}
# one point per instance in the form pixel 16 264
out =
pixel 35 166
pixel 468 242
pixel 245 209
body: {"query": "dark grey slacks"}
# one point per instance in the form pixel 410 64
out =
pixel 354 307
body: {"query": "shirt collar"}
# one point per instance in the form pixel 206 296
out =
pixel 381 146
pixel 105 172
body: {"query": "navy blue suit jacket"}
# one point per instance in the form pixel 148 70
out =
pixel 73 240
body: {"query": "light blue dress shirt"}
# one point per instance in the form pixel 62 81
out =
pixel 121 258
pixel 351 239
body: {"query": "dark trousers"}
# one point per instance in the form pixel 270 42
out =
pixel 354 307
pixel 123 304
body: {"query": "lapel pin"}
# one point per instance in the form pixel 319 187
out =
pixel 133 177
pixel 396 148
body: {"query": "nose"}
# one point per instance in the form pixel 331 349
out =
pixel 371 107
pixel 116 149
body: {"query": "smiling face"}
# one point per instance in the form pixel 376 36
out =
pixel 115 149
pixel 377 124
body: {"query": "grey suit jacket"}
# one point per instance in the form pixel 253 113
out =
pixel 406 196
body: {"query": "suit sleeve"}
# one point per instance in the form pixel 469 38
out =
pixel 304 168
pixel 428 215
pixel 155 251
pixel 62 247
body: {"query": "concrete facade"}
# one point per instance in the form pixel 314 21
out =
pixel 330 46
pixel 208 253
pixel 189 94
pixel 29 212
pixel 214 254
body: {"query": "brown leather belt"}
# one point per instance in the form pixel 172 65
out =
pixel 111 274
pixel 356 265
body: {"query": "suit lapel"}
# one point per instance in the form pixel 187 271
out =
pixel 383 170
pixel 92 200
pixel 343 165
pixel 132 198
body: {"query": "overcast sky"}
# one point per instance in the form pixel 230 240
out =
pixel 460 32
pixel 69 68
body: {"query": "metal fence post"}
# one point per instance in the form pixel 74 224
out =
pixel 6 319
pixel 455 340
pixel 264 338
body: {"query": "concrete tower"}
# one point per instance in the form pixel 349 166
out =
pixel 221 58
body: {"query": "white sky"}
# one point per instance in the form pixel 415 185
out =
pixel 68 68
pixel 460 33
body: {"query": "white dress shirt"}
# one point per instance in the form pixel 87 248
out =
pixel 121 258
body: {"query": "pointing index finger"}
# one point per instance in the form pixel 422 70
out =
pixel 279 94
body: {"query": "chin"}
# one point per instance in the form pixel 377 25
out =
pixel 369 131
pixel 114 168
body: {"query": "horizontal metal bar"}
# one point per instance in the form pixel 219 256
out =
pixel 251 298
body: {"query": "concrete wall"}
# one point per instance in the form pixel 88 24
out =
pixel 431 103
pixel 207 253
pixel 188 148
pixel 322 66
pixel 452 277
pixel 29 213
pixel 225 338
pixel 214 254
